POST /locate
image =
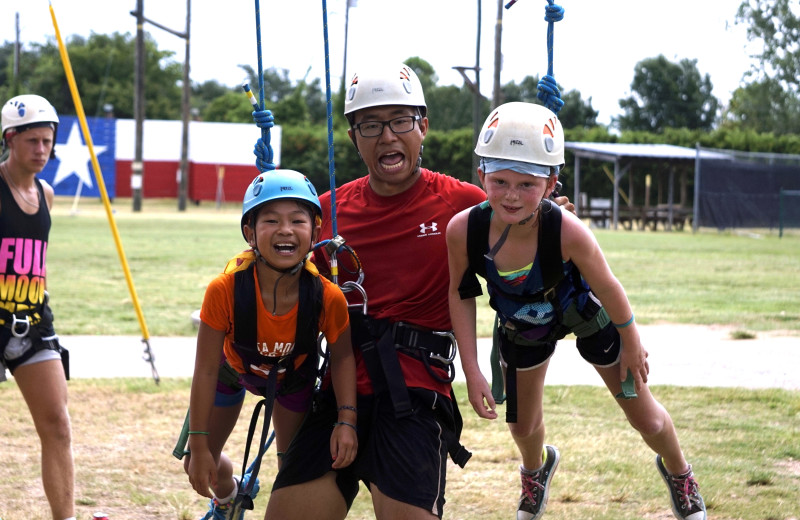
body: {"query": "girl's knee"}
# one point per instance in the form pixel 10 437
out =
pixel 522 429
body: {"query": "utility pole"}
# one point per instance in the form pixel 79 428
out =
pixel 185 106
pixel 137 167
pixel 475 88
pixel 346 28
pixel 15 81
pixel 497 93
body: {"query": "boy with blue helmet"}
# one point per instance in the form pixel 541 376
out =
pixel 262 315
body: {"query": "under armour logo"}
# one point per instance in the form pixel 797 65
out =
pixel 423 228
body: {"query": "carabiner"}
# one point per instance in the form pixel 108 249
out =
pixel 16 321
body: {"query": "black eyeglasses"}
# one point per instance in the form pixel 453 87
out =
pixel 398 125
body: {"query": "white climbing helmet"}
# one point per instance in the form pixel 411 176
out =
pixel 380 86
pixel 524 132
pixel 28 110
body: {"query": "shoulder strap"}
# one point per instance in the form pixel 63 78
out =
pixel 477 246
pixel 550 245
pixel 245 328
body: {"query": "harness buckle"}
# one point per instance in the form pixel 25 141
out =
pixel 17 322
pixel 453 347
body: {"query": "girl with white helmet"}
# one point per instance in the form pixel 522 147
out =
pixel 29 346
pixel 262 316
pixel 510 241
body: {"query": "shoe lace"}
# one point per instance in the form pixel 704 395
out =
pixel 531 486
pixel 687 490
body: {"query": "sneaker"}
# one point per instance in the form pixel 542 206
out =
pixel 230 510
pixel 536 486
pixel 687 503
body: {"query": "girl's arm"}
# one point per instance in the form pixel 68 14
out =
pixel 202 467
pixel 579 244
pixel 463 315
pixel 344 441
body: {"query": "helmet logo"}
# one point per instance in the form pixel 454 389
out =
pixel 549 131
pixel 405 77
pixel 516 142
pixel 351 92
pixel 286 188
pixel 21 109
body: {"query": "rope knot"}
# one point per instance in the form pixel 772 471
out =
pixel 549 94
pixel 553 12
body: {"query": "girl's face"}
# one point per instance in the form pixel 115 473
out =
pixel 515 196
pixel 284 232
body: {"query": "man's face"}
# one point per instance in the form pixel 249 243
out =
pixel 31 148
pixel 391 158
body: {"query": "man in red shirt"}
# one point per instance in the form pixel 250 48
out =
pixel 395 219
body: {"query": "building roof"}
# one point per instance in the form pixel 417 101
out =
pixel 614 151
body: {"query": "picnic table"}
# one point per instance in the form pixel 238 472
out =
pixel 639 216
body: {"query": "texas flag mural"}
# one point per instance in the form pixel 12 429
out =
pixel 71 171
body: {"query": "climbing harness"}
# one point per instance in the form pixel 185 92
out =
pixel 559 288
pixel 25 332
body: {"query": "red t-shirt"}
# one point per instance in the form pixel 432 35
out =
pixel 400 241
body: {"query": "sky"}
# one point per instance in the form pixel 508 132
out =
pixel 596 45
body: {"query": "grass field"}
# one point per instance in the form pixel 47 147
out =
pixel 743 443
pixel 747 280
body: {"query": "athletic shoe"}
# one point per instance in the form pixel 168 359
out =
pixel 687 503
pixel 230 510
pixel 536 486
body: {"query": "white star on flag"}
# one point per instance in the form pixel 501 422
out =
pixel 73 157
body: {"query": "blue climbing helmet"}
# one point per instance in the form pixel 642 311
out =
pixel 279 185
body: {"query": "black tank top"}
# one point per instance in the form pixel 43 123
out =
pixel 23 250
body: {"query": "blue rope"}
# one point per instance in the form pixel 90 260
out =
pixel 331 164
pixel 265 133
pixel 547 87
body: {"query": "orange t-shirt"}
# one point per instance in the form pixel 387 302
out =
pixel 276 334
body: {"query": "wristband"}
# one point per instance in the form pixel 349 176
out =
pixel 623 325
pixel 347 407
pixel 191 432
pixel 353 426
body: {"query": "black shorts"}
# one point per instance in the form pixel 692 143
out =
pixel 600 349
pixel 405 458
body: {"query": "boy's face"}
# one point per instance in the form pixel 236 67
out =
pixel 31 148
pixel 283 231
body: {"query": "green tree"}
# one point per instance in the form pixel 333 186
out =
pixel 777 24
pixel 103 66
pixel 764 106
pixel 667 94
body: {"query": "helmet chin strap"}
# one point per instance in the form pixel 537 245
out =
pixel 503 236
pixel 419 159
pixel 284 271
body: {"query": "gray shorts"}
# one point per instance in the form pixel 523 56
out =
pixel 43 355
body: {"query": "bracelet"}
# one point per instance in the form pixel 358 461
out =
pixel 623 325
pixel 347 407
pixel 353 426
pixel 192 432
